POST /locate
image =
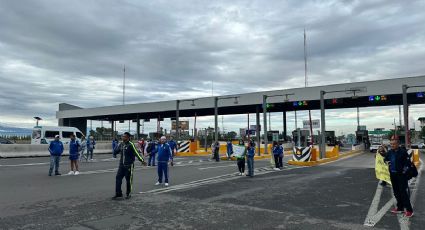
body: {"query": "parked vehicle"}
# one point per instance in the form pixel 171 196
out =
pixel 46 134
pixel 5 141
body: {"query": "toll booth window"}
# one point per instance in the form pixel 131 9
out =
pixel 51 134
pixel 79 135
pixel 67 134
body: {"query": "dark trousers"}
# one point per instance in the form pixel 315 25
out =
pixel 400 188
pixel 216 155
pixel 250 163
pixel 241 165
pixel 90 153
pixel 278 161
pixel 162 171
pixel 127 172
pixel 151 160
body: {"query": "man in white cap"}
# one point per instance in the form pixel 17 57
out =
pixel 56 150
pixel 164 155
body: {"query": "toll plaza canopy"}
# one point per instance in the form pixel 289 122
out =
pixel 350 95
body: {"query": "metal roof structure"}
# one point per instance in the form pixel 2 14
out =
pixel 369 93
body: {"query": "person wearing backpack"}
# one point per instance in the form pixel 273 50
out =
pixel 74 147
pixel 398 160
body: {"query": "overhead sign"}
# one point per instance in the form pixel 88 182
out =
pixel 315 124
pixel 299 103
pixel 377 98
pixel 250 132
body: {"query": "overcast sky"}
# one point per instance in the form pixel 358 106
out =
pixel 74 51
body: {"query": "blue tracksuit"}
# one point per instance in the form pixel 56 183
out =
pixel 173 145
pixel 152 153
pixel 73 150
pixel 250 160
pixel 164 155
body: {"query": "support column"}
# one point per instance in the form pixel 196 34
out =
pixel 177 120
pixel 113 129
pixel 215 119
pixel 138 128
pixel 285 131
pixel 257 131
pixel 406 117
pixel 322 125
pixel 265 123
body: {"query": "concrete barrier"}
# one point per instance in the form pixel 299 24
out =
pixel 28 150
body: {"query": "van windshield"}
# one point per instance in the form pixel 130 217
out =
pixel 66 134
pixel 79 135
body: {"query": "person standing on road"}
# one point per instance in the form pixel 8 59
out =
pixel 128 153
pixel 229 149
pixel 83 147
pixel 141 146
pixel 74 146
pixel 56 150
pixel 91 145
pixel 250 158
pixel 241 159
pixel 398 160
pixel 173 146
pixel 216 151
pixel 151 152
pixel 382 150
pixel 164 155
pixel 114 144
pixel 278 155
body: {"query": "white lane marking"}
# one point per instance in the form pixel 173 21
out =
pixel 29 164
pixel 373 209
pixel 200 161
pixel 190 162
pixel 213 167
pixel 178 163
pixel 211 180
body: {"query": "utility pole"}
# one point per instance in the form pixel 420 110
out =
pixel 123 87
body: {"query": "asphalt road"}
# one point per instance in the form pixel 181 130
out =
pixel 202 195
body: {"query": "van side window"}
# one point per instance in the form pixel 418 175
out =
pixel 51 134
pixel 66 134
pixel 79 135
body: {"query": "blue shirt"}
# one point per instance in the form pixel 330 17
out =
pixel 173 145
pixel 251 152
pixel 164 152
pixel 277 150
pixel 229 147
pixel 73 147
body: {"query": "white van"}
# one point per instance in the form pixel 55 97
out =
pixel 46 134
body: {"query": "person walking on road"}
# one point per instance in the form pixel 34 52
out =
pixel 74 146
pixel 229 149
pixel 91 145
pixel 82 149
pixel 173 146
pixel 128 153
pixel 164 155
pixel 151 152
pixel 141 146
pixel 250 158
pixel 241 159
pixel 398 160
pixel 56 150
pixel 278 155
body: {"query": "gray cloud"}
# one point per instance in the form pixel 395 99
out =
pixel 74 51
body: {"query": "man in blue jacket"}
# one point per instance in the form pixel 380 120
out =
pixel 128 153
pixel 164 153
pixel 56 150
pixel 91 145
pixel 398 159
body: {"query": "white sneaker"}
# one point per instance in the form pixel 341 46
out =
pixel 71 173
pixel 166 184
pixel 157 183
pixel 277 169
pixel 240 174
pixel 76 173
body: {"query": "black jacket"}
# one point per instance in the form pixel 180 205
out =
pixel 128 153
pixel 401 159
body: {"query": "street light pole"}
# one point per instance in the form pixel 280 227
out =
pixel 215 119
pixel 322 125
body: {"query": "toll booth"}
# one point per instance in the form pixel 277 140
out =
pixel 330 138
pixel 273 135
pixel 304 137
pixel 362 137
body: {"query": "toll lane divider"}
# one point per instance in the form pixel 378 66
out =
pixel 332 155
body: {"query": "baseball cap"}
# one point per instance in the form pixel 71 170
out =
pixel 57 136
